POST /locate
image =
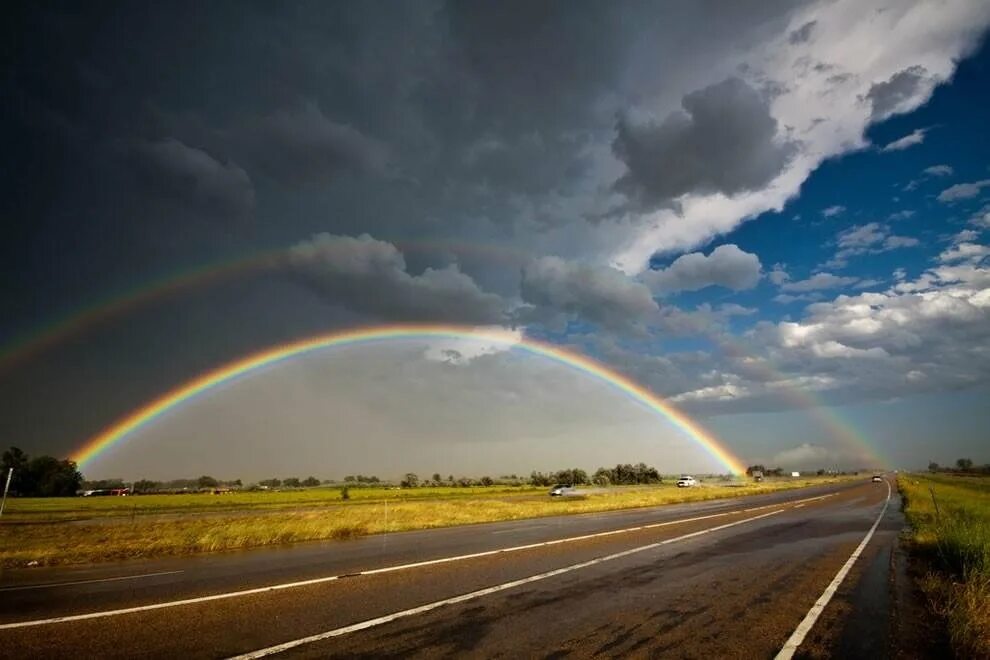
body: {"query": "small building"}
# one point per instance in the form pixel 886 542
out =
pixel 795 474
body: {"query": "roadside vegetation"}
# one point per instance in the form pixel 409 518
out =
pixel 44 531
pixel 949 516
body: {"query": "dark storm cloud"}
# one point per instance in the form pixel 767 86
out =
pixel 887 97
pixel 723 141
pixel 369 276
pixel 302 145
pixel 182 173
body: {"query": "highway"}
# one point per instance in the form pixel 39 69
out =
pixel 729 579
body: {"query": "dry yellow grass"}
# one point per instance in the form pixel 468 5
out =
pixel 92 531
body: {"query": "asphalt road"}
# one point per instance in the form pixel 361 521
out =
pixel 717 579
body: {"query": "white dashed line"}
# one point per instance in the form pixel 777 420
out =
pixel 387 569
pixel 371 623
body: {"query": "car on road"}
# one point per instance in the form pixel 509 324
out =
pixel 876 479
pixel 686 481
pixel 560 489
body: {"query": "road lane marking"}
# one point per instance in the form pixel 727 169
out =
pixel 371 623
pixel 51 585
pixel 387 569
pixel 797 637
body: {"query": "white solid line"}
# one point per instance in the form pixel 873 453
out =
pixel 371 623
pixel 51 585
pixel 387 569
pixel 792 644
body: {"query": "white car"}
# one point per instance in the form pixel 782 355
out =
pixel 686 481
pixel 560 490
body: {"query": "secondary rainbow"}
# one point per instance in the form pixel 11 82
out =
pixel 151 411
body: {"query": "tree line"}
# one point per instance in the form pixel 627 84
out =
pixel 963 466
pixel 41 476
pixel 45 476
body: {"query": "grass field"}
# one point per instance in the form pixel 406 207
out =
pixel 79 530
pixel 950 527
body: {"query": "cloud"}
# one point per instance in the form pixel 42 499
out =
pixel 981 218
pixel 962 191
pixel 817 282
pixel 832 211
pixel 369 276
pixel 972 253
pixel 301 145
pixel 728 123
pixel 186 175
pixel 727 266
pixel 825 93
pixel 871 238
pixel 895 242
pixel 896 94
pixel 787 298
pixel 939 170
pixel 916 136
pixel 778 275
pixel 805 456
pixel 555 287
pixel 803 33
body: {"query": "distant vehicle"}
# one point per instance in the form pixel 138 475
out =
pixel 686 481
pixel 560 489
pixel 876 479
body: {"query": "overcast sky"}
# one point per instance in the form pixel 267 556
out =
pixel 776 215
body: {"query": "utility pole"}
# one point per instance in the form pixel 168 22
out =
pixel 3 503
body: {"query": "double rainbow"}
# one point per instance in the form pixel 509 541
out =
pixel 153 410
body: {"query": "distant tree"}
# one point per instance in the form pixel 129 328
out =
pixel 145 486
pixel 309 482
pixel 409 481
pixel 933 466
pixel 207 482
pixel 487 481
pixel 755 468
pixel 291 482
pixel 20 482
pixel 820 473
pixel 51 477
pixel 965 464
pixel 270 483
pixel 349 478
pixel 345 493
pixel 437 478
pixel 602 477
pixel 450 478
pixel 235 482
pixel 540 479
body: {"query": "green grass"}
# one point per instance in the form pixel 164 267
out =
pixel 950 530
pixel 82 530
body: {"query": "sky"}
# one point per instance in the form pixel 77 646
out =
pixel 774 215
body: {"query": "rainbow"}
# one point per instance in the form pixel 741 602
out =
pixel 85 318
pixel 158 407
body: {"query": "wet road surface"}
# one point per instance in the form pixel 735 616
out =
pixel 728 579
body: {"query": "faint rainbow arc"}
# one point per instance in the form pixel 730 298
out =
pixel 81 319
pixel 151 411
